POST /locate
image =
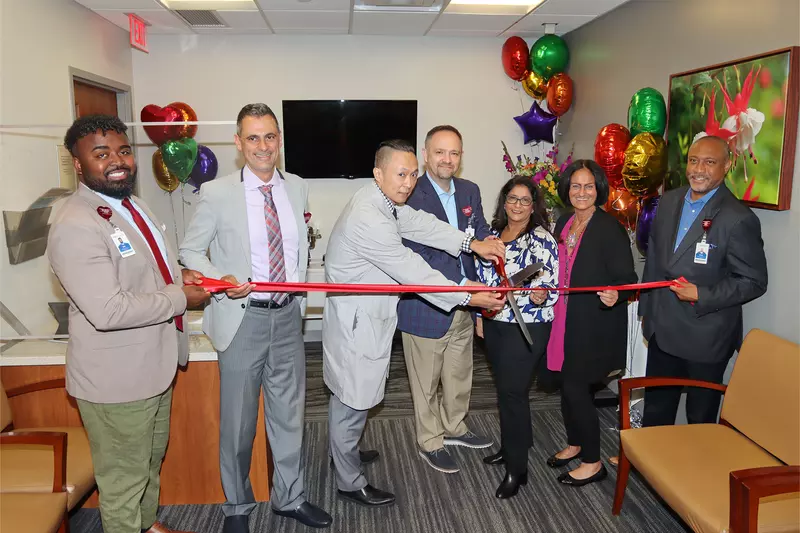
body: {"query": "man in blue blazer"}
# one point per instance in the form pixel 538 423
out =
pixel 438 344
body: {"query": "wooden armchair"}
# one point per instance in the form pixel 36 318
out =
pixel 44 512
pixel 26 468
pixel 738 476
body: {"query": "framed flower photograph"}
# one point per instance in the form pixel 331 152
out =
pixel 753 104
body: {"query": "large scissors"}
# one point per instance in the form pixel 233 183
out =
pixel 515 280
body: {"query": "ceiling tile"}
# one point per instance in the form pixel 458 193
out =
pixel 312 31
pixel 304 5
pixel 243 19
pixel 125 5
pixel 460 21
pixel 391 23
pixel 577 7
pixel 531 35
pixel 157 19
pixel 460 33
pixel 308 20
pixel 233 31
pixel 565 23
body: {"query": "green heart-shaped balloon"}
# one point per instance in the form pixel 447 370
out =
pixel 180 156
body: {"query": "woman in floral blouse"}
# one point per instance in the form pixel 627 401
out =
pixel 519 221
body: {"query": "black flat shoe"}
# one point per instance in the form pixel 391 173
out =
pixel 367 456
pixel 566 479
pixel 369 496
pixel 555 462
pixel 495 459
pixel 307 514
pixel 510 485
pixel 236 524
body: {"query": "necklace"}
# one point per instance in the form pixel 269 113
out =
pixel 575 232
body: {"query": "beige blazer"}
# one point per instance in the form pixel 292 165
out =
pixel 217 243
pixel 123 345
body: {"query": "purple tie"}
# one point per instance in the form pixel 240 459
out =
pixel 277 265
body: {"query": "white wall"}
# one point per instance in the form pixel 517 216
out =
pixel 639 45
pixel 39 41
pixel 456 81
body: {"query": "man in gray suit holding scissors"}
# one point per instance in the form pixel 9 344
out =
pixel 252 225
pixel 366 247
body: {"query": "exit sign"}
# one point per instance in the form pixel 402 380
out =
pixel 138 29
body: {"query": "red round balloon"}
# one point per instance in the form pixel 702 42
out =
pixel 187 115
pixel 161 134
pixel 515 58
pixel 609 152
pixel 559 94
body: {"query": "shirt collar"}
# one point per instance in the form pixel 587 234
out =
pixel 703 200
pixel 390 204
pixel 441 191
pixel 113 202
pixel 253 182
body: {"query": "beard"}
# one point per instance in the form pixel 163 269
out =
pixel 118 189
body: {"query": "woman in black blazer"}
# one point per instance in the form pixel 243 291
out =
pixel 590 331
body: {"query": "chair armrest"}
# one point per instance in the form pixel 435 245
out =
pixel 58 383
pixel 45 438
pixel 625 385
pixel 750 485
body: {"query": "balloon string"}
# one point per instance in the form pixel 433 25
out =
pixel 174 219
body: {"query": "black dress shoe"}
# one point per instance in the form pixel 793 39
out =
pixel 369 496
pixel 236 524
pixel 367 456
pixel 567 479
pixel 308 514
pixel 495 459
pixel 555 462
pixel 510 484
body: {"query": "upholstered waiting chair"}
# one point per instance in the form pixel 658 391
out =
pixel 738 476
pixel 26 469
pixel 44 512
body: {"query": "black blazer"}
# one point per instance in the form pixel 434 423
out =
pixel 596 339
pixel 736 273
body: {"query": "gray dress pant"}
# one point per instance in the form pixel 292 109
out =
pixel 266 353
pixel 345 427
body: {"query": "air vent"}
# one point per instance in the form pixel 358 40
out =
pixel 201 18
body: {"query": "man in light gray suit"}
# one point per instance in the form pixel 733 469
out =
pixel 251 224
pixel 366 247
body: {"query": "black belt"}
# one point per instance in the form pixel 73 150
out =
pixel 269 304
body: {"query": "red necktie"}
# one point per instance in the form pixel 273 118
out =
pixel 148 236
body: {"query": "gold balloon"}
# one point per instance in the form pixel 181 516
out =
pixel 645 164
pixel 165 179
pixel 535 85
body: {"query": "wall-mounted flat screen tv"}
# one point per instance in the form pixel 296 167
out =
pixel 338 138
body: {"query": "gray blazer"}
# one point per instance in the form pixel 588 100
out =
pixel 366 247
pixel 123 345
pixel 736 273
pixel 217 243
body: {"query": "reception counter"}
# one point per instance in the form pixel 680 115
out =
pixel 191 467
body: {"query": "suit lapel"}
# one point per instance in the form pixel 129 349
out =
pixel 696 229
pixel 431 198
pixel 462 201
pixel 137 242
pixel 295 195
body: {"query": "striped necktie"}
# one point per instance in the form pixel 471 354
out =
pixel 277 265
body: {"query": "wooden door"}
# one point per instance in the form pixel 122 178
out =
pixel 93 100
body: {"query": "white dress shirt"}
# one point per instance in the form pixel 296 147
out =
pixel 259 245
pixel 121 210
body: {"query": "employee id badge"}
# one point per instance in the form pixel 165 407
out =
pixel 701 253
pixel 122 243
pixel 470 231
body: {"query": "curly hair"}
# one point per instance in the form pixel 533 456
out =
pixel 89 124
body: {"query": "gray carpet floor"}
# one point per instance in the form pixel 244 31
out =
pixel 432 502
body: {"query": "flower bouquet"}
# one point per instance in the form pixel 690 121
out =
pixel 544 173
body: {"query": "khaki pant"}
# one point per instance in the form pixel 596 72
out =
pixel 448 361
pixel 128 441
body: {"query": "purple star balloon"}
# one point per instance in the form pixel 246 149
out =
pixel 537 124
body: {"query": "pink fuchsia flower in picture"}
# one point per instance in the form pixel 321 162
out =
pixel 713 127
pixel 748 193
pixel 745 121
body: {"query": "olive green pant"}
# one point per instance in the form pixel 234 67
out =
pixel 128 441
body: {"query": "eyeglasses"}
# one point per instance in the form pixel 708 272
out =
pixel 525 202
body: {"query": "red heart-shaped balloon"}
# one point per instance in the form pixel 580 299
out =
pixel 161 134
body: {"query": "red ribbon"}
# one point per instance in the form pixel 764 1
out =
pixel 216 285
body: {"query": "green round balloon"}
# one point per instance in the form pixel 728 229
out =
pixel 549 56
pixel 180 156
pixel 647 112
